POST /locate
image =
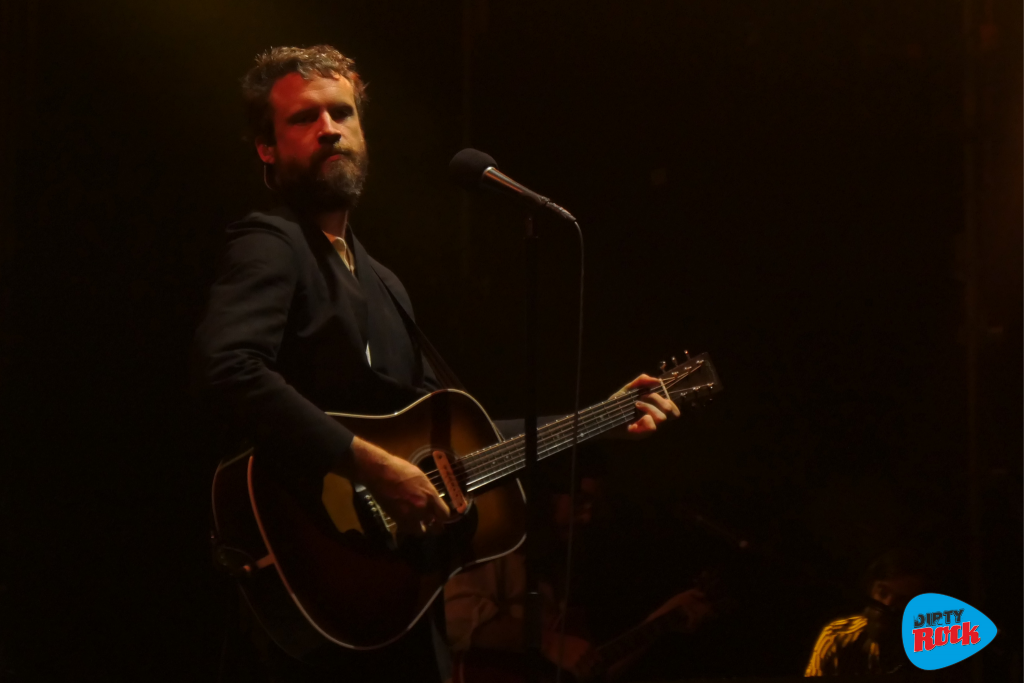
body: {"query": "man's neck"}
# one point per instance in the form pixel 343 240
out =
pixel 334 222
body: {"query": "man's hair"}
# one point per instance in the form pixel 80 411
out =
pixel 309 62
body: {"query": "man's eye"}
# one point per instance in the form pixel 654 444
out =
pixel 302 118
pixel 341 113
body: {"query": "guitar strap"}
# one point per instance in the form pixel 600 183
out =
pixel 444 374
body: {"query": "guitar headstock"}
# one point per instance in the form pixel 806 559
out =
pixel 692 380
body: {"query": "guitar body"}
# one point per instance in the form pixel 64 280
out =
pixel 319 562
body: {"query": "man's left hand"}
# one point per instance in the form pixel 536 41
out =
pixel 655 408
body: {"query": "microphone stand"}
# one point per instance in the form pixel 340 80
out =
pixel 533 617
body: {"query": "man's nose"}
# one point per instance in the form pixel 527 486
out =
pixel 330 132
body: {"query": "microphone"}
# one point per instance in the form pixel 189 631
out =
pixel 474 170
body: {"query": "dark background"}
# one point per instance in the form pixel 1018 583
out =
pixel 824 196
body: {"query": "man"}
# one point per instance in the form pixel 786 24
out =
pixel 871 643
pixel 302 320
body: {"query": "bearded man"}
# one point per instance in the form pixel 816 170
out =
pixel 301 320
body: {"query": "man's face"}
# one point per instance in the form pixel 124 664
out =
pixel 319 154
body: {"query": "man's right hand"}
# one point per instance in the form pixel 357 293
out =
pixel 401 489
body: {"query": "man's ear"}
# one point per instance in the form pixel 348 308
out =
pixel 268 153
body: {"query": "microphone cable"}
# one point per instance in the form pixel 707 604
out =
pixel 563 607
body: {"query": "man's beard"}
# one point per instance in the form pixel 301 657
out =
pixel 323 186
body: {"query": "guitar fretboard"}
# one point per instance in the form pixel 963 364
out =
pixel 495 462
pixel 491 464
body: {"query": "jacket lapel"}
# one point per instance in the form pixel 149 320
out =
pixel 372 295
pixel 391 348
pixel 346 289
pixel 354 292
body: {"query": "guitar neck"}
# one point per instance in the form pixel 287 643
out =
pixel 503 460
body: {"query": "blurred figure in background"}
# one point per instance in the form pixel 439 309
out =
pixel 870 642
pixel 485 608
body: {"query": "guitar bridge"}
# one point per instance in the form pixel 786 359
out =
pixel 372 518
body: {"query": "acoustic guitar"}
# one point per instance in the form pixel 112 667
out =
pixel 321 564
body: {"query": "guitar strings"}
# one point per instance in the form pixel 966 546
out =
pixel 556 435
pixel 507 455
pixel 550 447
pixel 511 452
pixel 593 420
pixel 507 451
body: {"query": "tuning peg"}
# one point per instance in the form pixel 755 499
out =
pixel 675 363
pixel 662 365
pixel 687 355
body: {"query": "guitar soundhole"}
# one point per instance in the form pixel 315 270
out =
pixel 424 459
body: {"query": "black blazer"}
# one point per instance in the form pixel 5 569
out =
pixel 284 339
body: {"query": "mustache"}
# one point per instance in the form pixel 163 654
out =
pixel 323 153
